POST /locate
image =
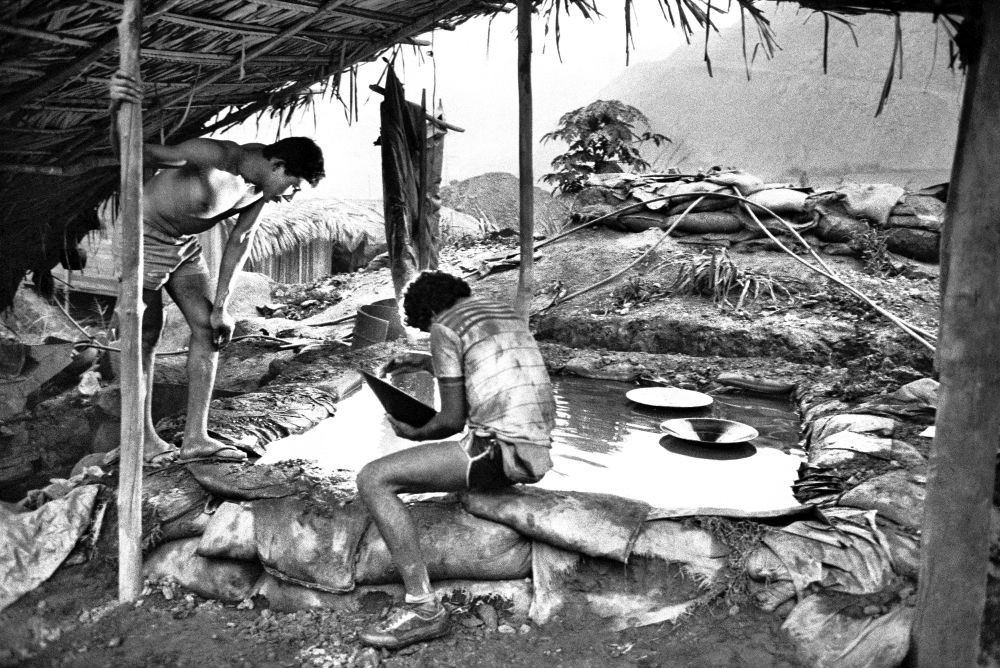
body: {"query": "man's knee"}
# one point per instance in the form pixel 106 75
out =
pixel 371 477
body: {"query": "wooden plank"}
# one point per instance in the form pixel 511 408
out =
pixel 129 308
pixel 526 175
pixel 956 527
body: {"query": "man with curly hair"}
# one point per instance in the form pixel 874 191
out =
pixel 200 183
pixel 491 379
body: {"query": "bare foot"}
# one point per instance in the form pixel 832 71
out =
pixel 155 450
pixel 205 447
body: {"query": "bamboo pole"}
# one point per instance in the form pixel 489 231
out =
pixel 129 121
pixel 525 277
pixel 956 525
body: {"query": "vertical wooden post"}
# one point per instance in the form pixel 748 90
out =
pixel 955 539
pixel 525 279
pixel 129 308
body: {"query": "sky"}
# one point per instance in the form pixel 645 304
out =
pixel 472 70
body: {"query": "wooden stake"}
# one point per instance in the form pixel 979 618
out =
pixel 956 527
pixel 129 308
pixel 525 278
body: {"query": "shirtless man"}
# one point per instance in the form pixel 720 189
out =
pixel 200 183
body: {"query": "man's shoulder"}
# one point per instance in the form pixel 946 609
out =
pixel 472 311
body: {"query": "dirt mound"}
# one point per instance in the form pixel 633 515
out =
pixel 494 197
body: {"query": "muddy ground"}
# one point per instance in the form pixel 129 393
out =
pixel 812 330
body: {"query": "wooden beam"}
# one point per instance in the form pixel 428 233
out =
pixel 526 173
pixel 358 12
pixel 227 59
pixel 956 527
pixel 53 80
pixel 44 36
pixel 129 309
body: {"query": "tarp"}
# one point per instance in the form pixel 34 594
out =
pixel 35 543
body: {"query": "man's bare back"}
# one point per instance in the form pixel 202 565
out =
pixel 193 198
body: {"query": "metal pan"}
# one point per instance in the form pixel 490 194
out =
pixel 709 431
pixel 668 397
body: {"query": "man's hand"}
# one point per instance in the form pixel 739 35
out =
pixel 222 328
pixel 402 429
pixel 124 88
pixel 411 361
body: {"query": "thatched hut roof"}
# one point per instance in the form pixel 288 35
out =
pixel 283 227
pixel 201 60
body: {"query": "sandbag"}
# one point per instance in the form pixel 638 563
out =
pixel 827 636
pixel 310 540
pixel 227 580
pixel 550 568
pixel 783 201
pixel 699 553
pixel 922 245
pixel 841 229
pixel 455 545
pixel 287 597
pixel 173 505
pixel 897 495
pixel 229 533
pixel 35 543
pixel 847 553
pixel 246 482
pixel 743 182
pixel 923 206
pixel 871 201
pixel 598 525
pixel 876 425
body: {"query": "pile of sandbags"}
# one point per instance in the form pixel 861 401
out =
pixel 844 220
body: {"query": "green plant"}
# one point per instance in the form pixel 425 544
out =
pixel 602 137
pixel 873 248
pixel 715 275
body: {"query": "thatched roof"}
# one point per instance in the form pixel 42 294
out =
pixel 199 58
pixel 283 227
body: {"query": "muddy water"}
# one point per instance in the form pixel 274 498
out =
pixel 603 443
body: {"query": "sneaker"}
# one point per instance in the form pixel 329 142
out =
pixel 405 625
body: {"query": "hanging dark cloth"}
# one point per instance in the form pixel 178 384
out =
pixel 411 177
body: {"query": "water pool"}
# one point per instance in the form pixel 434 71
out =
pixel 603 443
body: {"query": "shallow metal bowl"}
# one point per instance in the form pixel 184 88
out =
pixel 668 397
pixel 710 431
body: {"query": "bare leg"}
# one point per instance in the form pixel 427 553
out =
pixel 431 467
pixel 191 295
pixel 152 325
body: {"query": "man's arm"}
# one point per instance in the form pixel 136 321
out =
pixel 448 421
pixel 199 152
pixel 235 254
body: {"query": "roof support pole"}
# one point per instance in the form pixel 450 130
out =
pixel 129 120
pixel 955 540
pixel 525 278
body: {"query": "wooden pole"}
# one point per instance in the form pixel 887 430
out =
pixel 956 527
pixel 129 308
pixel 525 278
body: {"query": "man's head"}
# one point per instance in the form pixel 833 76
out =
pixel 293 160
pixel 431 293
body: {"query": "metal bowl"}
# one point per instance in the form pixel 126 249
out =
pixel 709 431
pixel 668 397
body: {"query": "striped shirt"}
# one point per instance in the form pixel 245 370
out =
pixel 507 388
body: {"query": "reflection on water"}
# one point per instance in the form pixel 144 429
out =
pixel 604 443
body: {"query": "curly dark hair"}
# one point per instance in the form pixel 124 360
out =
pixel 431 293
pixel 302 157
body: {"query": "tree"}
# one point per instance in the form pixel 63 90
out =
pixel 602 137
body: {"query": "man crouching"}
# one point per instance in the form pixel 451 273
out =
pixel 491 377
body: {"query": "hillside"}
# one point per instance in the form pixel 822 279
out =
pixel 791 121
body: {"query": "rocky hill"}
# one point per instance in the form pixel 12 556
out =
pixel 790 121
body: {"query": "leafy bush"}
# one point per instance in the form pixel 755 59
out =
pixel 602 137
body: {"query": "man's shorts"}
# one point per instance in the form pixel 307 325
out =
pixel 164 256
pixel 485 462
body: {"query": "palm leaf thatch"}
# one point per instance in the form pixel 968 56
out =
pixel 206 65
pixel 284 227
